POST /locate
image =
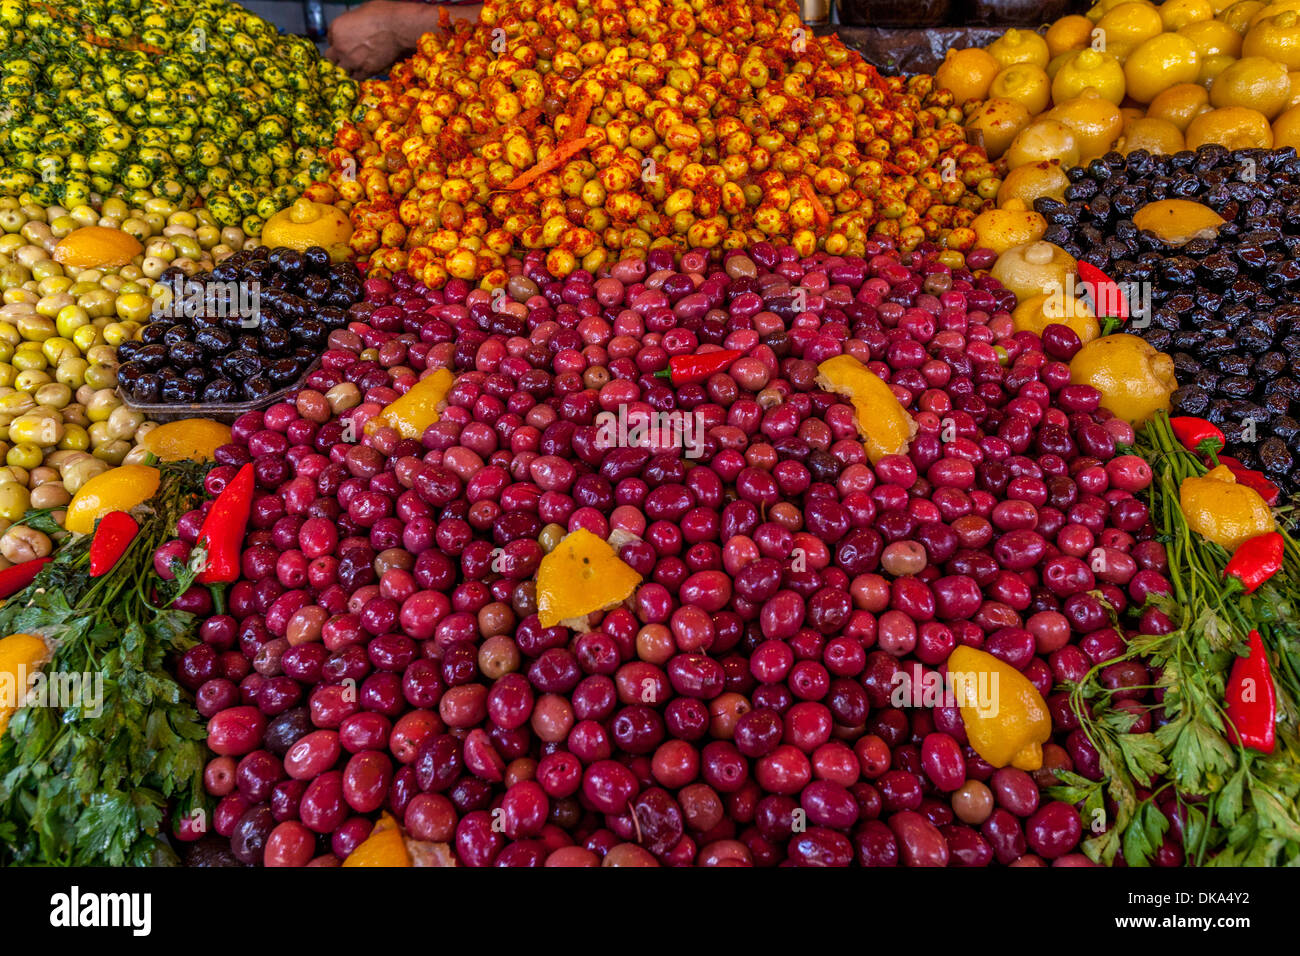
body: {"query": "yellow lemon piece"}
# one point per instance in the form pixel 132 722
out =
pixel 885 425
pixel 999 121
pixel 1096 122
pixel 1273 8
pixel 190 439
pixel 1212 37
pixel 1032 180
pixel 21 656
pixel 118 489
pixel 1180 104
pixel 384 846
pixel 1211 67
pixel 1159 137
pixel 1294 99
pixel 1056 308
pixel 1044 140
pixel 1068 33
pixel 1238 15
pixel 1255 82
pixel 582 574
pixel 1235 127
pixel 1277 38
pixel 97 247
pixel 1220 509
pixel 967 74
pixel 1158 64
pixel 1103 7
pixel 1176 14
pixel 1006 719
pixel 1135 381
pixel 1178 221
pixel 1025 83
pixel 1089 68
pixel 1000 229
pixel 306 224
pixel 1034 268
pixel 1019 46
pixel 415 411
pixel 1286 129
pixel 1129 24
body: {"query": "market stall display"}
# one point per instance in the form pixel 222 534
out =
pixel 654 437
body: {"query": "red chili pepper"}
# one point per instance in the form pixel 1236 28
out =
pixel 1107 296
pixel 113 535
pixel 222 533
pixel 1252 700
pixel 1198 435
pixel 13 580
pixel 1252 479
pixel 1256 560
pixel 696 369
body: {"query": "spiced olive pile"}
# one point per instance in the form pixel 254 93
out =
pixel 229 352
pixel 1228 308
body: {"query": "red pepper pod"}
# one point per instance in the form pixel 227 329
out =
pixel 1197 434
pixel 1256 560
pixel 13 580
pixel 1252 479
pixel 113 535
pixel 1251 700
pixel 222 532
pixel 696 369
pixel 1107 296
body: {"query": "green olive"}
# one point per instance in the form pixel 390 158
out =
pixel 31 380
pixel 75 436
pixel 123 422
pixel 24 456
pixel 50 495
pixel 101 376
pixel 55 394
pixel 112 452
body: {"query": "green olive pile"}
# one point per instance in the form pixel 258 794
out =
pixel 146 98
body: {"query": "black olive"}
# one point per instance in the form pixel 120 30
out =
pixel 274 341
pixel 247 341
pixel 333 318
pixel 316 259
pixel 214 341
pixel 152 334
pixel 185 354
pixel 221 390
pixel 147 389
pixel 197 376
pixel 241 364
pixel 286 261
pixel 257 388
pixel 282 371
pixel 311 332
pixel 152 356
pixel 128 373
pixel 314 288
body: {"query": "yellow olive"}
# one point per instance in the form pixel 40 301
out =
pixel 102 355
pixel 54 394
pixel 209 237
pixel 87 337
pixel 187 247
pixel 159 207
pixel 24 456
pixel 115 333
pixel 25 359
pixel 155 220
pixel 10 333
pixel 58 348
pixel 8 374
pixel 72 372
pixel 74 413
pixel 112 283
pixel 183 218
pixel 84 394
pixel 75 437
pixel 53 285
pixel 102 404
pixel 139 455
pixel 83 286
pixel 14 473
pixel 114 208
pixel 49 305
pixel 35 429
pixel 98 303
pixel 85 215
pixel 136 227
pixel 102 376
pixel 31 380
pixel 50 495
pixel 46 268
pixel 154 266
pixel 69 319
pixel 99 435
pixel 63 225
pixel 130 272
pixel 79 471
pixel 112 452
pixel 133 305
pixel 123 422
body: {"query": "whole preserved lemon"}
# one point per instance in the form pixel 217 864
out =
pixel 1096 122
pixel 1211 67
pixel 1031 181
pixel 1158 64
pixel 1223 511
pixel 1276 37
pixel 1044 139
pixel 1176 14
pixel 1019 46
pixel 1056 308
pixel 1068 33
pixel 1128 24
pixel 1034 268
pixel 1000 229
pixel 1286 130
pixel 1255 82
pixel 1025 83
pixel 1212 37
pixel 1235 127
pixel 1238 15
pixel 1006 719
pixel 1294 100
pixel 1134 379
pixel 1180 104
pixel 1157 136
pixel 1089 68
pixel 999 121
pixel 967 74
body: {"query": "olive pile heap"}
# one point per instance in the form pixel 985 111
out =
pixel 180 101
pixel 383 651
pixel 220 355
pixel 1226 308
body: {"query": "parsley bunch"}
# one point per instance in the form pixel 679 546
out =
pixel 1240 807
pixel 91 786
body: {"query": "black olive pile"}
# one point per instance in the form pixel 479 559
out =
pixel 1227 309
pixel 220 354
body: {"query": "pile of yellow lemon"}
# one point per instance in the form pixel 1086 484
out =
pixel 1135 75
